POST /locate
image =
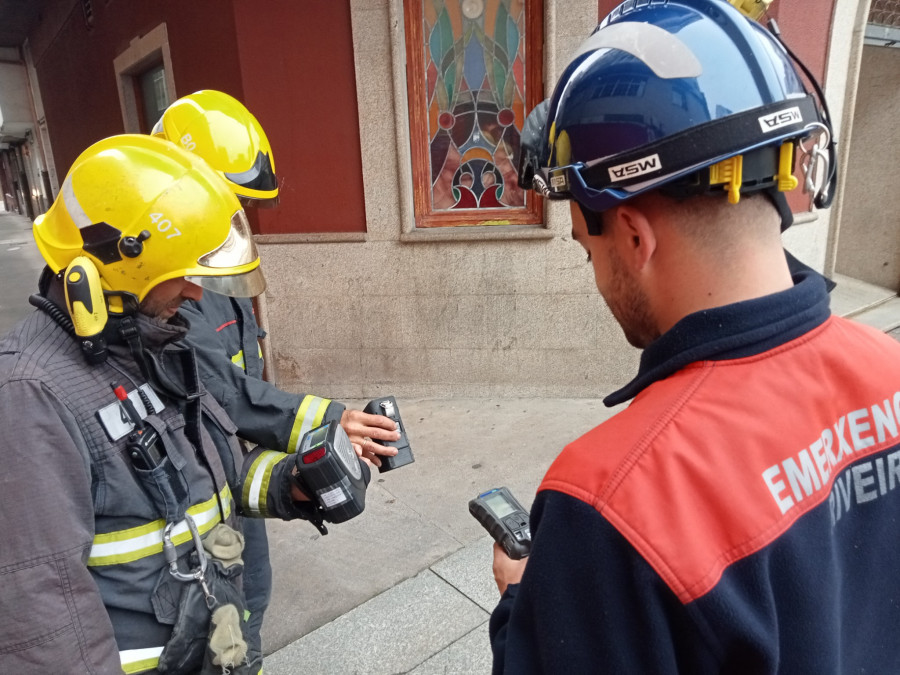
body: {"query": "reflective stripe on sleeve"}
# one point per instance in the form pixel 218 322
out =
pixel 139 660
pixel 124 546
pixel 256 485
pixel 309 416
pixel 238 360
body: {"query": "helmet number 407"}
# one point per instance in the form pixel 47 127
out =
pixel 163 224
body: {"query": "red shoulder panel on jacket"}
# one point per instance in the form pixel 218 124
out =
pixel 713 463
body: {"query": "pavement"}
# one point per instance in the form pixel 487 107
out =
pixel 20 265
pixel 406 587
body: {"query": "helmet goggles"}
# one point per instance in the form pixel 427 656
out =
pixel 602 183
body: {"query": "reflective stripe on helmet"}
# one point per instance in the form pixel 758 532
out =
pixel 143 541
pixel 663 53
pixel 309 416
pixel 76 213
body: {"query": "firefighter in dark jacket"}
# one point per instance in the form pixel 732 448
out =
pixel 740 515
pixel 224 332
pixel 123 479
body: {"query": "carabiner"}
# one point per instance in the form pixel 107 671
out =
pixel 815 161
pixel 171 554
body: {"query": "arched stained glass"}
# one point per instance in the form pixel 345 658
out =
pixel 477 70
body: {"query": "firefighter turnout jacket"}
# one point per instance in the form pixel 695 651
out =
pixel 740 516
pixel 85 586
pixel 223 326
pixel 225 336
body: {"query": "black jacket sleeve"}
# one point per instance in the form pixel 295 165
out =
pixel 264 414
pixel 589 603
pixel 52 618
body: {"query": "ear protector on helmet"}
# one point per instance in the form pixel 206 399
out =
pixel 144 211
pixel 86 306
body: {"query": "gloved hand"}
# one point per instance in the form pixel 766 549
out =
pixel 329 471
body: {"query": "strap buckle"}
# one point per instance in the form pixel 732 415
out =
pixel 199 573
pixel 815 160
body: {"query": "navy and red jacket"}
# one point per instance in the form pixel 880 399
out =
pixel 742 515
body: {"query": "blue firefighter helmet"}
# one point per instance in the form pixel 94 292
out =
pixel 685 96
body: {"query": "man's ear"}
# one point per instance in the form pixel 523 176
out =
pixel 634 237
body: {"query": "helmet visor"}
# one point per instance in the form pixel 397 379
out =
pixel 237 249
pixel 259 203
pixel 236 253
pixel 260 176
pixel 246 285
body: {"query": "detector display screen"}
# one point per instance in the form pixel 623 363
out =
pixel 499 505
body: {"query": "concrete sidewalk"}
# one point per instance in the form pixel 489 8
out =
pixel 20 266
pixel 407 587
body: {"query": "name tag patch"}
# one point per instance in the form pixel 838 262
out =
pixel 115 420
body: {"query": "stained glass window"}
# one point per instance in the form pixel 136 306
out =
pixel 475 72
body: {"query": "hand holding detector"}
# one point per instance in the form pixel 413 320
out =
pixel 505 519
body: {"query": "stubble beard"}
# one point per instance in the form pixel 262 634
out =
pixel 629 305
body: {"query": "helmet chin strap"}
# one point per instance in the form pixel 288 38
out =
pixel 823 199
pixel 593 219
pixel 779 201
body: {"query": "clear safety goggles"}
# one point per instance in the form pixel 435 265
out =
pixel 236 252
pixel 568 182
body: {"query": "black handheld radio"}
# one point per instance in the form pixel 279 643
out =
pixel 505 519
pixel 329 471
pixel 143 445
pixel 387 406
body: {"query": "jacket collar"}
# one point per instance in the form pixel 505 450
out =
pixel 732 331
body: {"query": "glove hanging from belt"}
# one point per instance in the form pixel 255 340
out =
pixel 207 637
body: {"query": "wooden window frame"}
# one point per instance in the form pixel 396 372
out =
pixel 143 52
pixel 530 214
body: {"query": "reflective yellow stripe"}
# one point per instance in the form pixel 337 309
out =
pixel 238 360
pixel 139 660
pixel 256 485
pixel 124 546
pixel 309 416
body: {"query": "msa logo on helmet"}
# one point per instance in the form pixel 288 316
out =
pixel 559 182
pixel 779 119
pixel 636 168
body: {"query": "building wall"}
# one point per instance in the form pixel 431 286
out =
pixel 298 78
pixel 442 313
pixel 74 62
pixel 355 311
pixel 291 64
pixel 869 245
pixel 502 311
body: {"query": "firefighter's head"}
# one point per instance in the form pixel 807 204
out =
pixel 673 132
pixel 221 130
pixel 150 215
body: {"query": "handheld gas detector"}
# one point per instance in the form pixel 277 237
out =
pixel 504 518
